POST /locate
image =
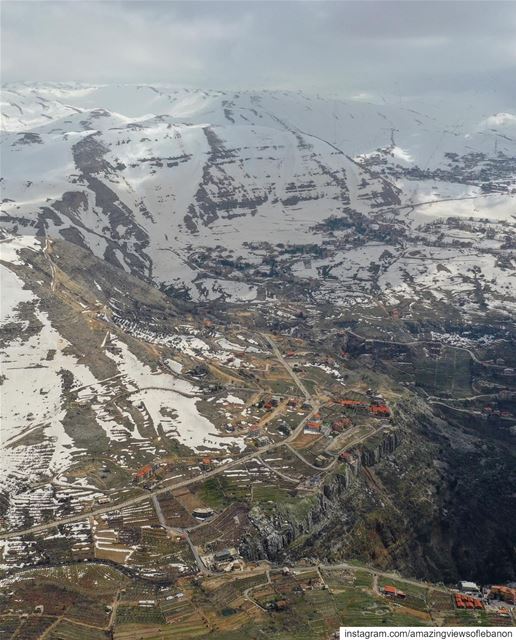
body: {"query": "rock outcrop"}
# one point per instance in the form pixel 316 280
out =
pixel 291 522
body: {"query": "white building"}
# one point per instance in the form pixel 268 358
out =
pixel 468 587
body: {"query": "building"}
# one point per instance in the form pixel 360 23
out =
pixel 223 556
pixel 321 461
pixel 145 472
pixel 393 592
pixel 500 592
pixel 468 587
pixel 352 404
pixel 202 513
pixel 381 410
pixel 206 464
pixel 312 427
pixel 463 601
pixel 346 456
pixel 341 424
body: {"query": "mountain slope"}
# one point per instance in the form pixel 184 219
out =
pixel 201 192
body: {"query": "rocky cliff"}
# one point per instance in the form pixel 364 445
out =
pixel 409 507
pixel 276 534
pixel 376 449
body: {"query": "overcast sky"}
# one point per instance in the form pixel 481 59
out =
pixel 406 48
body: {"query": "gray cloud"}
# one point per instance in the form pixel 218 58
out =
pixel 411 48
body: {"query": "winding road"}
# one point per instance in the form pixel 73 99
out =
pixel 72 519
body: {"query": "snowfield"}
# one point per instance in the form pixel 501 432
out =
pixel 248 198
pixel 158 391
pixel 36 448
pixel 151 177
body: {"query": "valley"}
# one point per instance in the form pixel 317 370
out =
pixel 258 363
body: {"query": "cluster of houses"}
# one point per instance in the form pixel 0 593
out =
pixel 376 407
pixel 506 594
pixel 489 411
pixel 471 596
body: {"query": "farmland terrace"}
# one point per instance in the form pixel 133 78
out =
pixel 267 402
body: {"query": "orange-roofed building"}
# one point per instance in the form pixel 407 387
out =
pixel 341 424
pixel 501 592
pixel 389 590
pixel 353 404
pixel 143 473
pixel 312 427
pixel 380 410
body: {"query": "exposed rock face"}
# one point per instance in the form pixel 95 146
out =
pixel 150 191
pixel 374 452
pixel 410 507
pixel 274 533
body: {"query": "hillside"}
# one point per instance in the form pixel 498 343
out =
pixel 211 194
pixel 256 347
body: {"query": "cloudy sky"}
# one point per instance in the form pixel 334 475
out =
pixel 406 48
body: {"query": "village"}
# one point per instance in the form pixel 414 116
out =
pixel 180 521
pixel 217 434
pixel 99 600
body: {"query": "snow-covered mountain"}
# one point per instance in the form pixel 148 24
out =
pixel 201 191
pixel 126 207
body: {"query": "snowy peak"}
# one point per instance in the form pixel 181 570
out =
pixel 201 192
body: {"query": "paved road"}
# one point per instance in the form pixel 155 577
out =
pixel 375 584
pixel 300 568
pixel 291 372
pixel 179 532
pixel 177 485
pixel 469 412
pixel 256 586
pixel 182 483
pixel 431 342
pixel 276 471
pixel 393 576
pixel 309 464
pixel 189 481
